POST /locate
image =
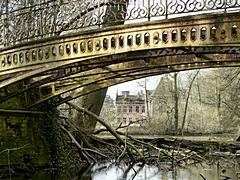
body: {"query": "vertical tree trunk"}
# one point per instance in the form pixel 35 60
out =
pixel 175 76
pixel 201 106
pixel 146 100
pixel 93 102
pixel 218 104
pixel 186 104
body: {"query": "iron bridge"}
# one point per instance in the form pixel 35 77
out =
pixel 57 47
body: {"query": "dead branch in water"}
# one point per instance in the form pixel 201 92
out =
pixel 124 144
pixel 112 131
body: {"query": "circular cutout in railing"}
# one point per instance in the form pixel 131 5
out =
pixel 27 57
pixel 105 43
pixel 121 41
pixel 40 54
pixel 165 36
pixel 183 35
pixel 34 55
pixel 15 59
pixel 156 38
pixel 138 39
pixel 147 38
pixel 97 45
pixel 83 46
pixel 90 45
pixel 130 40
pixel 113 42
pixel 75 48
pixel 213 33
pixel 68 49
pixel 61 50
pixel 47 53
pixel 234 31
pixel 174 35
pixel 203 33
pixel 193 34
pixel 21 60
pixel 54 51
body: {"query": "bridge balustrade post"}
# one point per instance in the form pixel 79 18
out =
pixel 6 24
pixel 41 20
pixel 99 14
pixel 166 4
pixel 149 10
pixel 54 17
pixel 225 6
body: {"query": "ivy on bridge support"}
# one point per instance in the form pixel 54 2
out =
pixel 28 139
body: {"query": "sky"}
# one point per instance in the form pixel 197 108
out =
pixel 133 86
pixel 152 82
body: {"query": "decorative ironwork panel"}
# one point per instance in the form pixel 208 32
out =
pixel 27 20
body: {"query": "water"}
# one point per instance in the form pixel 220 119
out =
pixel 220 170
pixel 215 170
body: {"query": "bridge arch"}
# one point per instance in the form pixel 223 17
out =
pixel 118 73
pixel 188 43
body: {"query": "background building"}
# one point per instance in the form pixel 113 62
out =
pixel 130 107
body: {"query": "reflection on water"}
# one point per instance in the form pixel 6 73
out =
pixel 217 171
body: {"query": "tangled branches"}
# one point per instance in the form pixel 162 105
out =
pixel 122 146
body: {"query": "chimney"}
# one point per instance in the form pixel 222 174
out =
pixel 125 94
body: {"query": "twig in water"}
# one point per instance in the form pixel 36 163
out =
pixel 125 146
pixel 8 154
pixel 203 177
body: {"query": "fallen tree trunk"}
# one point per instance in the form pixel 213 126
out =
pixel 112 131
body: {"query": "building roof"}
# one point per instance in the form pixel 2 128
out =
pixel 127 98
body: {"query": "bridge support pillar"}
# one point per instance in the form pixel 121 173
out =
pixel 28 139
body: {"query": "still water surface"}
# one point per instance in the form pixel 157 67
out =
pixel 217 171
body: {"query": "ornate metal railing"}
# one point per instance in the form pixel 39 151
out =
pixel 27 20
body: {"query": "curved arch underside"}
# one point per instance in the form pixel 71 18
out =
pixel 67 88
pixel 58 68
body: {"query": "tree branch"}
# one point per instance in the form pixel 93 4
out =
pixel 111 130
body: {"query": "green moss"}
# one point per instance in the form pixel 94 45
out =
pixel 51 134
pixel 39 136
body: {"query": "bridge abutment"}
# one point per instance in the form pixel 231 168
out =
pixel 28 139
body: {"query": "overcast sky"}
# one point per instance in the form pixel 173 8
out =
pixel 133 86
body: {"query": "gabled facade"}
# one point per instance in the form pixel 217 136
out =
pixel 130 107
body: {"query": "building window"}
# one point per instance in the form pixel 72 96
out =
pixel 119 109
pixel 124 108
pixel 130 109
pixel 137 108
pixel 124 120
pixel 119 119
pixel 130 119
pixel 143 109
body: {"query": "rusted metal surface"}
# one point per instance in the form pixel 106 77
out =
pixel 215 30
pixel 9 112
pixel 22 21
pixel 103 83
pixel 85 72
pixel 108 56
pixel 68 88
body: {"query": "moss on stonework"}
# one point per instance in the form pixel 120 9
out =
pixel 38 136
pixel 51 134
pixel 21 132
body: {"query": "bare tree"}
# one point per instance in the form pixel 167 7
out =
pixel 186 104
pixel 176 97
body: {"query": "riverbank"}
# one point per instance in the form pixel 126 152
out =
pixel 167 156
